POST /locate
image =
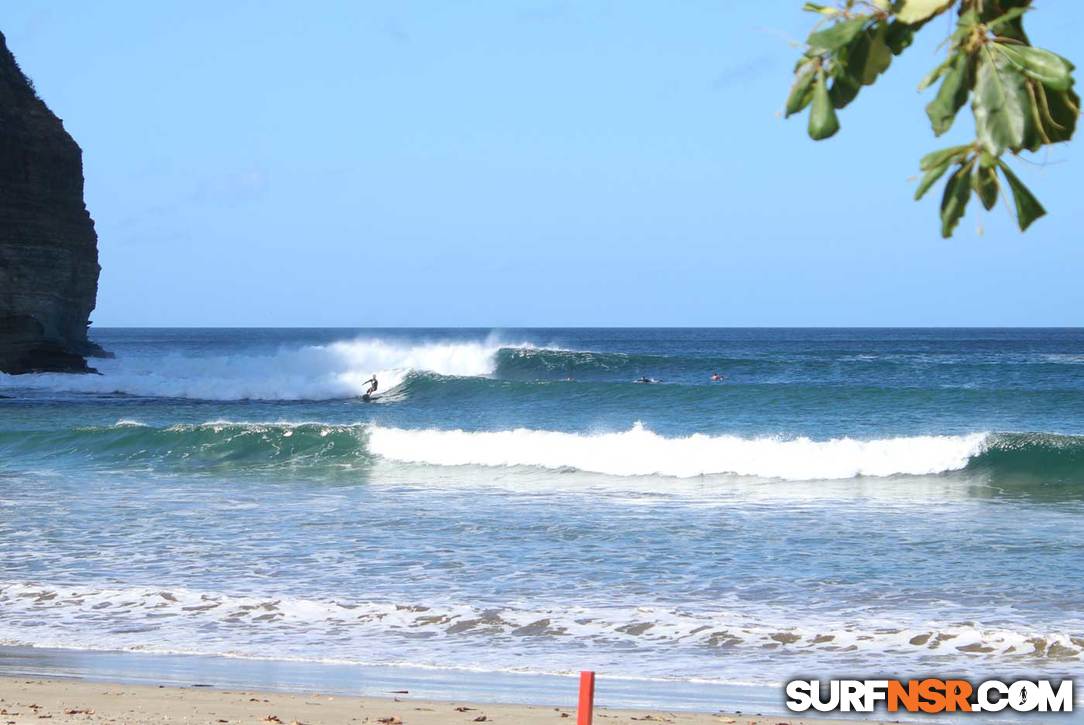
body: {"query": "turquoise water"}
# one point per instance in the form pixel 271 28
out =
pixel 891 502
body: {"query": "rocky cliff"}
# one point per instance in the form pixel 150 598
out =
pixel 48 248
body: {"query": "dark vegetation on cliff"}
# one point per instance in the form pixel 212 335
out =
pixel 48 247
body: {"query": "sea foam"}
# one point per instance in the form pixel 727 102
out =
pixel 665 638
pixel 639 451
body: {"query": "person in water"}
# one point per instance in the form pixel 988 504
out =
pixel 373 385
pixel 717 378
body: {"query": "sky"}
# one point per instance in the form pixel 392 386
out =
pixel 523 163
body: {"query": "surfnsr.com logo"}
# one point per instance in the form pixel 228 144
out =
pixel 929 696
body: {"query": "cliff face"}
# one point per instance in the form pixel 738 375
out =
pixel 48 248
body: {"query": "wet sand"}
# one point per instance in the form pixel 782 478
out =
pixel 24 700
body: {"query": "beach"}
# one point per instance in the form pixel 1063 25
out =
pixel 72 701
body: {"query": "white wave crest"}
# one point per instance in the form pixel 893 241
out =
pixel 316 372
pixel 639 451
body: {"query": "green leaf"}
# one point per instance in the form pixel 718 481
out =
pixel 836 36
pixel 1050 69
pixel 1028 208
pixel 899 36
pixel 877 56
pixel 1005 18
pixel 822 9
pixel 844 90
pixel 916 11
pixel 952 94
pixel 943 156
pixel 934 75
pixel 954 201
pixel 801 93
pixel 1058 113
pixel 984 182
pixel 930 178
pixel 1002 104
pixel 1008 17
pixel 847 69
pixel 822 117
pixel 854 56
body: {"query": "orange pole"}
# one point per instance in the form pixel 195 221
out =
pixel 585 712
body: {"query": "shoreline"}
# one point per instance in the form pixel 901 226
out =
pixel 358 680
pixel 25 700
pixel 94 686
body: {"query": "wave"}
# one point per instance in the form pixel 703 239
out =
pixel 1052 458
pixel 340 370
pixel 316 372
pixel 1057 458
pixel 529 363
pixel 175 619
pixel 214 445
pixel 1048 458
pixel 639 451
pixel 533 363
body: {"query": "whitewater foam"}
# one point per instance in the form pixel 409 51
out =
pixel 316 372
pixel 640 452
pixel 176 619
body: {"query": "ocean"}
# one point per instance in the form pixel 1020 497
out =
pixel 843 502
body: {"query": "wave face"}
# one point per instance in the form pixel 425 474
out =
pixel 531 363
pixel 215 445
pixel 316 372
pixel 635 452
pixel 1054 458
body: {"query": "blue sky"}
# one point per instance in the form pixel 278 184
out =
pixel 521 162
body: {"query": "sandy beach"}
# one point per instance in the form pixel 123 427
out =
pixel 72 701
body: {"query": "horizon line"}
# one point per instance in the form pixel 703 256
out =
pixel 585 327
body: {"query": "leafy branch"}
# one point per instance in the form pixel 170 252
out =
pixel 1022 97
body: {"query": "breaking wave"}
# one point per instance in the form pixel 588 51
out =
pixel 639 451
pixel 634 452
pixel 317 372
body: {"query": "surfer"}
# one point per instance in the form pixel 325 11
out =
pixel 373 385
pixel 717 378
